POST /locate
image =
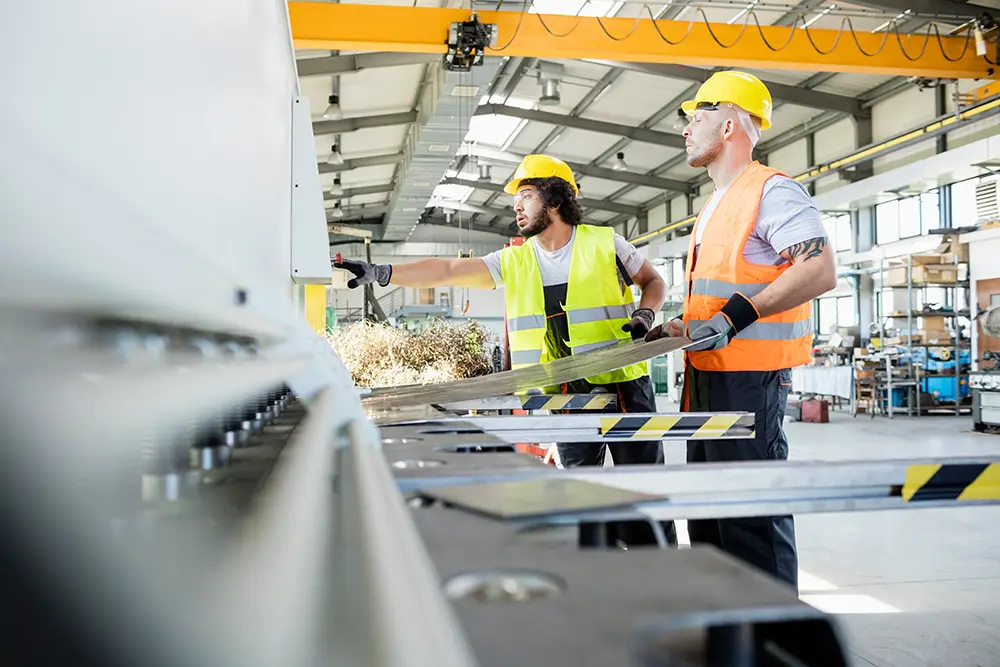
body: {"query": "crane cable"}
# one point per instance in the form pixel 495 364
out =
pixel 845 27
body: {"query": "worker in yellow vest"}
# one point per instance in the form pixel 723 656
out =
pixel 567 292
pixel 757 257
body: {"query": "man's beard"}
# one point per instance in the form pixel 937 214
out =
pixel 538 224
pixel 706 155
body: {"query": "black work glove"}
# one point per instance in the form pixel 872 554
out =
pixel 738 313
pixel 640 323
pixel 672 329
pixel 364 273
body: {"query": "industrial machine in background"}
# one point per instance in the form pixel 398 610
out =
pixel 985 380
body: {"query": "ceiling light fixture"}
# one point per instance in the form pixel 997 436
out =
pixel 333 111
pixel 485 172
pixel 336 159
pixel 619 163
pixel 550 92
pixel 337 190
pixel 337 212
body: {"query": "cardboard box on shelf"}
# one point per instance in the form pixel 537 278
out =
pixel 954 250
pixel 921 274
pixel 932 336
pixel 934 323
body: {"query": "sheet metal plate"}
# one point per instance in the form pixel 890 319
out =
pixel 523 500
pixel 521 380
pixel 635 607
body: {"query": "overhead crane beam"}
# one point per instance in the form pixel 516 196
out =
pixel 359 214
pixel 359 162
pixel 344 125
pixel 361 191
pixel 350 27
pixel 597 204
pixel 814 99
pixel 358 63
pixel 602 127
pixel 584 169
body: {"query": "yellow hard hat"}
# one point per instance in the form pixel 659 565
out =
pixel 738 88
pixel 540 166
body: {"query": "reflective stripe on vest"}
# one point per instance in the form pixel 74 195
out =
pixel 600 313
pixel 597 303
pixel 525 357
pixel 724 290
pixel 768 330
pixel 717 270
pixel 525 322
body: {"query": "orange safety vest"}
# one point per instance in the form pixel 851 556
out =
pixel 783 340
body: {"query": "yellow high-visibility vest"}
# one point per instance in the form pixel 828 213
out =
pixel 597 304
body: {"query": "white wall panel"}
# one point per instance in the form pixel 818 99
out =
pixel 902 112
pixel 971 133
pixel 791 159
pixel 678 208
pixel 897 114
pixel 828 183
pixel 657 217
pixel 835 141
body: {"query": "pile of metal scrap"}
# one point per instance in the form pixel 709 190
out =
pixel 380 355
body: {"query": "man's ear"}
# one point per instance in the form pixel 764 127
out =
pixel 728 127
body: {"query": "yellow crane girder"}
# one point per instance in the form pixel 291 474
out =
pixel 338 26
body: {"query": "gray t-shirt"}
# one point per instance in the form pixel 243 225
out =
pixel 787 215
pixel 554 265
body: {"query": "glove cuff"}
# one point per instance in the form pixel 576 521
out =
pixel 383 273
pixel 650 317
pixel 740 312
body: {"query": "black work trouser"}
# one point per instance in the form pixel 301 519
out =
pixel 767 543
pixel 633 396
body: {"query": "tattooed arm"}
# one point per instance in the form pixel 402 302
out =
pixel 811 274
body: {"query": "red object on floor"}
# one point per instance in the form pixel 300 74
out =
pixel 816 411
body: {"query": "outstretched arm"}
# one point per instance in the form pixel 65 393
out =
pixel 813 273
pixel 458 272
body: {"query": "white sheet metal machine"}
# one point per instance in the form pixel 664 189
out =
pixel 190 477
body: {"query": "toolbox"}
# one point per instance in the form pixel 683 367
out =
pixel 815 411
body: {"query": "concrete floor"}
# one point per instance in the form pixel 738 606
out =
pixel 918 587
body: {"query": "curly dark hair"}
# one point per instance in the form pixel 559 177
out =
pixel 557 193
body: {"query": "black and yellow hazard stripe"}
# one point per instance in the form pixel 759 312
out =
pixel 678 426
pixel 568 401
pixel 952 481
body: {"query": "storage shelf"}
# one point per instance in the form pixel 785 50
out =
pixel 944 380
pixel 963 283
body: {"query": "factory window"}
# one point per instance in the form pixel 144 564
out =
pixel 909 217
pixel 678 269
pixel 833 311
pixel 963 203
pixel 827 310
pixel 846 317
pixel 887 222
pixel 839 232
pixel 906 218
pixel 498 131
pixel 930 215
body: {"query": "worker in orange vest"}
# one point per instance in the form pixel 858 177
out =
pixel 757 257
